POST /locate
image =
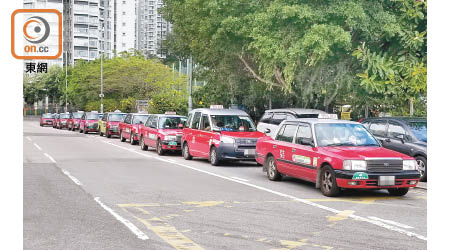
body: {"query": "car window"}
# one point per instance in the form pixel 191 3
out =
pixel 105 116
pixel 149 121
pixel 366 124
pixel 378 128
pixel 171 122
pixel 395 129
pixel 154 122
pixel 196 120
pixel 205 123
pixel 278 118
pixel 266 117
pixel 304 131
pixel 189 119
pixel 138 119
pixel 290 116
pixel 287 133
pixel 419 129
pixel 127 119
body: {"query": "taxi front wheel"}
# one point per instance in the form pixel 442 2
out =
pixel 159 149
pixel 328 184
pixel 213 157
pixel 186 154
pixel 272 171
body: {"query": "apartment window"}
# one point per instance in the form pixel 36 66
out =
pixel 124 2
pixel 123 34
pixel 124 24
pixel 124 44
pixel 123 13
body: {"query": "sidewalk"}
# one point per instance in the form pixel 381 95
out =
pixel 422 185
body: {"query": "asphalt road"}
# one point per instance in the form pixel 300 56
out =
pixel 90 192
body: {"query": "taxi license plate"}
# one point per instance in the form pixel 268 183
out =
pixel 172 143
pixel 249 152
pixel 386 180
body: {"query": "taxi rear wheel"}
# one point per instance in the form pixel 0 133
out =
pixel 185 151
pixel 142 144
pixel 328 184
pixel 132 140
pixel 213 157
pixel 272 171
pixel 398 191
pixel 122 139
pixel 159 148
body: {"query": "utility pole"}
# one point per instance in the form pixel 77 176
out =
pixel 67 62
pixel 190 83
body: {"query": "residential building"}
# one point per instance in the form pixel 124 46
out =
pixel 152 29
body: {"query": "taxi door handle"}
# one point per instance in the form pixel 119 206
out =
pixel 387 140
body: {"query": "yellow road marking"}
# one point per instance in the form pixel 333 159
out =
pixel 288 244
pixel 340 216
pixel 171 235
pixel 204 203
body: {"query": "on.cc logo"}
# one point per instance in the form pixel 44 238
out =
pixel 36 29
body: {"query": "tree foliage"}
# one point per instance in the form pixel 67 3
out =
pixel 319 52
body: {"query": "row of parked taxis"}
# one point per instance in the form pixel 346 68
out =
pixel 306 144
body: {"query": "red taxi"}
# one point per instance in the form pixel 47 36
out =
pixel 131 126
pixel 61 121
pixel 335 154
pixel 89 122
pixel 219 135
pixel 109 123
pixel 162 132
pixel 74 120
pixel 47 119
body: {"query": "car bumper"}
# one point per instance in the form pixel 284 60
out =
pixel 403 179
pixel 227 151
pixel 113 131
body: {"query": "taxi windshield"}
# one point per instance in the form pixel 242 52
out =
pixel 232 123
pixel 343 134
pixel 171 122
pixel 47 116
pixel 92 116
pixel 138 119
pixel 419 129
pixel 77 115
pixel 64 116
pixel 116 117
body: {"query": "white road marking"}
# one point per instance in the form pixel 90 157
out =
pixel 390 222
pixel 75 180
pixel 141 235
pixel 51 158
pixel 356 217
pixel 37 146
pixel 241 179
pixel 28 138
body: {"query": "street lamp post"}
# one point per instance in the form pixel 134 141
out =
pixel 101 82
pixel 190 83
pixel 67 62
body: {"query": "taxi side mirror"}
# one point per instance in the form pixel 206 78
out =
pixel 267 131
pixel 307 142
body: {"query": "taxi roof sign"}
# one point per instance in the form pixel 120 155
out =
pixel 170 113
pixel 117 111
pixel 328 116
pixel 216 107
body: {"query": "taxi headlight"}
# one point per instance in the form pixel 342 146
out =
pixel 226 139
pixel 354 165
pixel 170 137
pixel 409 165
